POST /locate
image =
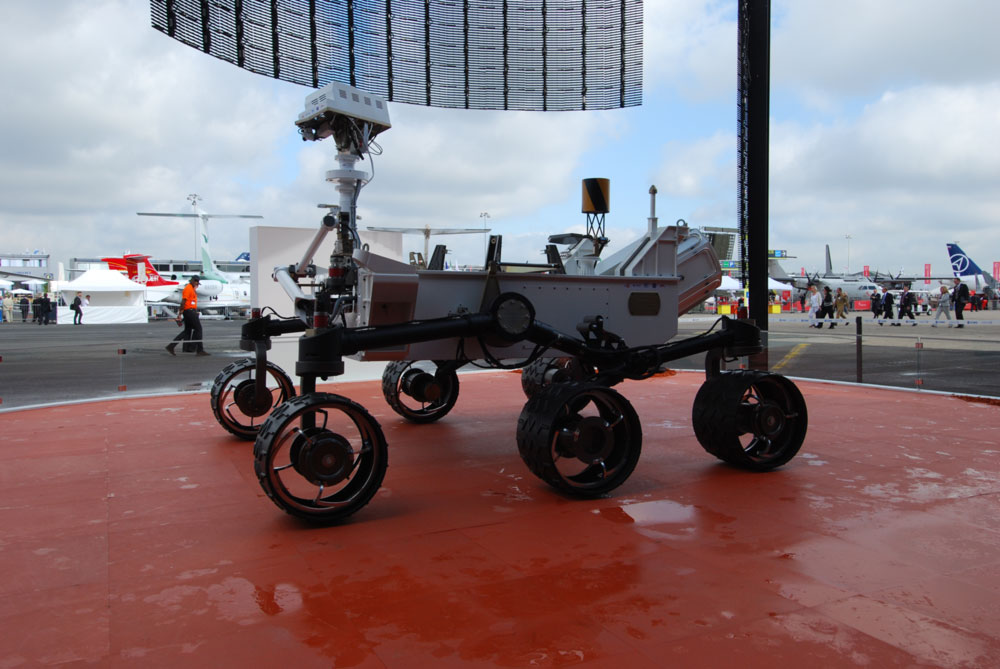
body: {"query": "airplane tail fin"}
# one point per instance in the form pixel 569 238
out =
pixel 829 263
pixel 153 278
pixel 208 268
pixel 962 265
pixel 775 270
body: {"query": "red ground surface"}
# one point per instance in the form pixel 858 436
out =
pixel 134 533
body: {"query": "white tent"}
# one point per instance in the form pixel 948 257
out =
pixel 6 285
pixel 729 283
pixel 113 298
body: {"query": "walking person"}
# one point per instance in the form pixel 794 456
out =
pixel 8 308
pixel 887 301
pixel 25 308
pixel 44 309
pixel 815 302
pixel 188 314
pixel 906 302
pixel 826 307
pixel 876 300
pixel 959 298
pixel 943 307
pixel 840 302
pixel 77 308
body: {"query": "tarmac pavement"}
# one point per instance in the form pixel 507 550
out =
pixel 66 363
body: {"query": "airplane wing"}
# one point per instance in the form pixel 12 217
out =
pixel 457 231
pixel 433 231
pixel 151 213
pixel 25 277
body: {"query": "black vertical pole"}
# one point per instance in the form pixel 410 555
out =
pixel 755 26
pixel 859 365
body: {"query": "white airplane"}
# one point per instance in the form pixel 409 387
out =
pixel 222 289
pixel 427 231
pixel 860 288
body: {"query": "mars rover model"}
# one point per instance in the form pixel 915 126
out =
pixel 577 324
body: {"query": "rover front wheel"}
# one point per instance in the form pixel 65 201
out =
pixel 320 457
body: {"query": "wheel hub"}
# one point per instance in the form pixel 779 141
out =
pixel 769 420
pixel 589 440
pixel 421 386
pixel 322 456
pixel 249 402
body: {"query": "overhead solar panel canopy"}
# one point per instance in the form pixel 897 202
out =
pixel 540 55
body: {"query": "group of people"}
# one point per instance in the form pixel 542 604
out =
pixel 42 308
pixel 883 303
pixel 885 306
pixel 956 298
pixel 9 302
pixel 826 305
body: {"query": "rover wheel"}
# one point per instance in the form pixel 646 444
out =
pixel 580 438
pixel 320 457
pixel 420 391
pixel 750 419
pixel 235 402
pixel 546 371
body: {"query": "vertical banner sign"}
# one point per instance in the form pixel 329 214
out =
pixel 996 270
pixel 866 271
pixel 927 273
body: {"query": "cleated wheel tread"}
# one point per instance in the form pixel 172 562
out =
pixel 284 482
pixel 414 410
pixel 588 466
pixel 569 369
pixel 227 393
pixel 750 419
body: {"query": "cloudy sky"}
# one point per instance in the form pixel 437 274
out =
pixel 885 126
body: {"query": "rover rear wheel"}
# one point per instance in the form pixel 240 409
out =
pixel 750 419
pixel 420 391
pixel 546 371
pixel 581 438
pixel 320 457
pixel 235 402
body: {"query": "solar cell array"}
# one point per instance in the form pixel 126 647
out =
pixel 549 55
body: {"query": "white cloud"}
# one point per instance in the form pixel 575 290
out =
pixel 916 169
pixel 884 128
pixel 699 168
pixel 828 51
pixel 690 46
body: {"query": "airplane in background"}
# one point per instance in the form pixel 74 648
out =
pixel 223 289
pixel 424 261
pixel 968 271
pixel 214 294
pixel 857 288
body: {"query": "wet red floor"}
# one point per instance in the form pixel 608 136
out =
pixel 134 533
